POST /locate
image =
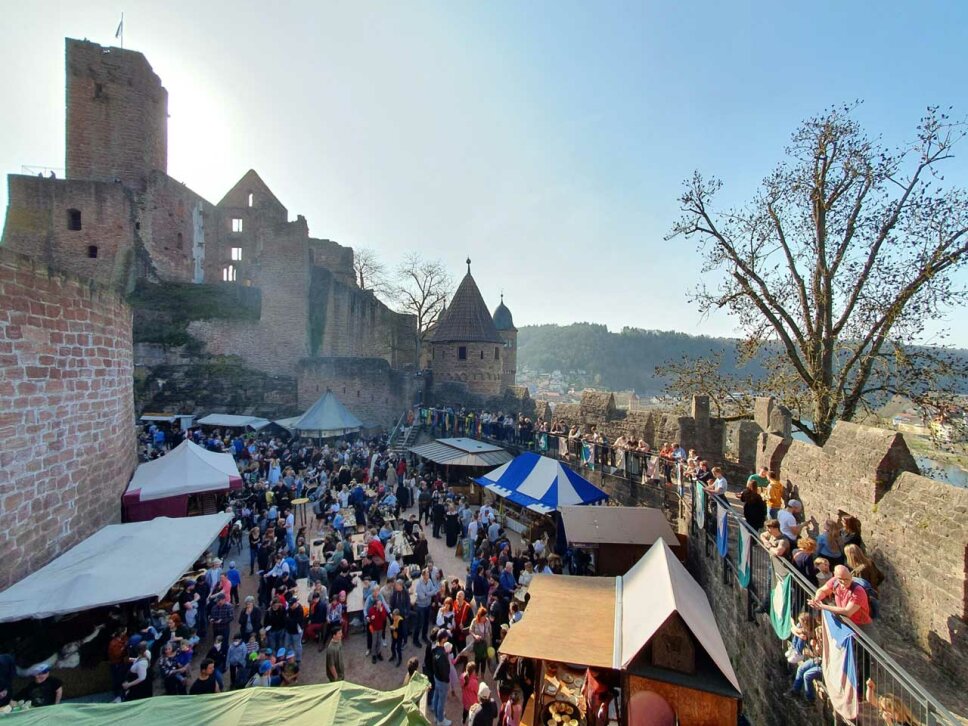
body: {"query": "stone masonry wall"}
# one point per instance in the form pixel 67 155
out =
pixel 117 115
pixel 37 225
pixel 66 412
pixel 368 387
pixel 915 528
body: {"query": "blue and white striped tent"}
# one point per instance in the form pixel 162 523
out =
pixel 540 484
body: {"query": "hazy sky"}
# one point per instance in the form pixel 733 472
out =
pixel 547 140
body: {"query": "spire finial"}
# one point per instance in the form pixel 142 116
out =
pixel 468 265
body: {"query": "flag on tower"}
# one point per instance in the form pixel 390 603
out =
pixel 119 33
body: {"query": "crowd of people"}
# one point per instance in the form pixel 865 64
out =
pixel 456 620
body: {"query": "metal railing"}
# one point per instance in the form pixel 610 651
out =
pixel 44 171
pixel 670 489
pixel 872 662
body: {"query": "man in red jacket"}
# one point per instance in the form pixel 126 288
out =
pixel 376 620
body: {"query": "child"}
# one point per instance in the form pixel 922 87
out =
pixel 823 570
pixel 376 620
pixel 413 665
pixel 396 644
pixel 469 683
pixel 184 661
pixel 801 635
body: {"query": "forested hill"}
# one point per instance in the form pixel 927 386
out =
pixel 589 355
pixel 617 361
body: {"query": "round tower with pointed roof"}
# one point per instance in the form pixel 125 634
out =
pixel 505 326
pixel 466 347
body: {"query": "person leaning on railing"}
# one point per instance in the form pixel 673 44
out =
pixel 850 598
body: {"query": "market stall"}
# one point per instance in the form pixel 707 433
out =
pixel 645 642
pixel 459 460
pixel 533 484
pixel 176 484
pixel 617 537
pixel 64 613
pixel 328 418
pixel 232 421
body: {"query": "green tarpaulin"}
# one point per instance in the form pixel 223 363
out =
pixel 312 705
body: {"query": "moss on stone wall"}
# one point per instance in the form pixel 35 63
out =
pixel 162 311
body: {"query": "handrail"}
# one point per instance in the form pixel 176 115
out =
pixel 933 707
pixel 391 439
pixel 935 712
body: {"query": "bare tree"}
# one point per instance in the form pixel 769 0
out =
pixel 370 271
pixel 422 289
pixel 844 255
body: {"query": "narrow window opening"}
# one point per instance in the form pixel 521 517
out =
pixel 181 240
pixel 74 219
pixel 237 254
pixel 482 354
pixel 229 273
pixel 236 224
pixel 462 353
pixel 92 251
pixel 98 90
pixel 251 199
pixel 497 353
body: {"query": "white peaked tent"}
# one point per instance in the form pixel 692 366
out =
pixel 327 418
pixel 162 487
pixel 120 563
pixel 657 586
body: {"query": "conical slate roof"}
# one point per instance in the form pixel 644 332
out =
pixel 327 417
pixel 502 317
pixel 467 320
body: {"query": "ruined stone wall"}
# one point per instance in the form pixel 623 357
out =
pixel 915 528
pixel 176 226
pixel 66 417
pixel 347 322
pixel 368 387
pixel 117 115
pixel 38 224
pixel 279 338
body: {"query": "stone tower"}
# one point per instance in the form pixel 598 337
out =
pixel 505 326
pixel 466 347
pixel 117 115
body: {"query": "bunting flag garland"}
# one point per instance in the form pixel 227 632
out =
pixel 699 506
pixel 839 666
pixel 744 548
pixel 722 530
pixel 780 604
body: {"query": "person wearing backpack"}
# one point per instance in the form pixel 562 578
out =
pixel 850 597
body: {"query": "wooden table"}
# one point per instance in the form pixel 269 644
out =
pixel 299 507
pixel 398 544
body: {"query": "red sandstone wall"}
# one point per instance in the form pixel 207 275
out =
pixel 117 115
pixel 366 386
pixel 67 445
pixel 37 225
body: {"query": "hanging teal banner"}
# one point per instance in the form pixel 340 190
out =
pixel 744 549
pixel 780 603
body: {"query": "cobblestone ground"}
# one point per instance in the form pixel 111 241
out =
pixel 359 668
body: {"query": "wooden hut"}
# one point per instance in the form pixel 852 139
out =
pixel 644 645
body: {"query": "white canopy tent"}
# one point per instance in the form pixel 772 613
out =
pixel 162 486
pixel 231 421
pixel 121 563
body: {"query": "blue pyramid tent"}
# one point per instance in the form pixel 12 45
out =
pixel 540 484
